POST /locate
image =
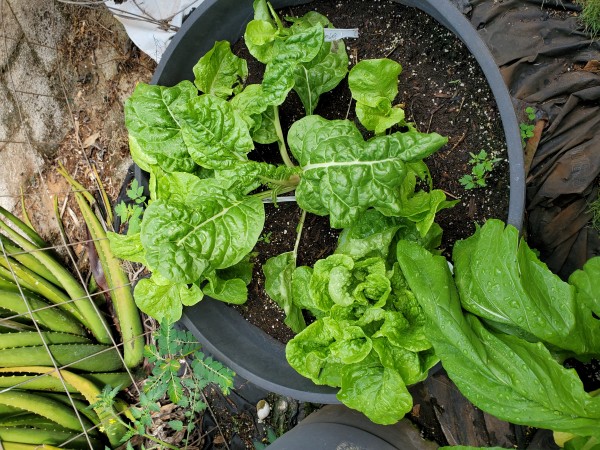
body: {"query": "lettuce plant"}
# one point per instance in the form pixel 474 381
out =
pixel 503 324
pixel 205 212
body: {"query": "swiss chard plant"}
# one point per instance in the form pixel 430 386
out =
pixel 206 211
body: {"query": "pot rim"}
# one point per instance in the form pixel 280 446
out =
pixel 253 354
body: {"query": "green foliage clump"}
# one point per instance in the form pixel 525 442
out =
pixel 591 16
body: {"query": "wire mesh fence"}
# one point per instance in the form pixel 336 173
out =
pixel 64 72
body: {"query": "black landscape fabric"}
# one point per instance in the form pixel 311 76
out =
pixel 550 63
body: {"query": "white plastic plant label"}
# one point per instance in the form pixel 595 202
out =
pixel 335 34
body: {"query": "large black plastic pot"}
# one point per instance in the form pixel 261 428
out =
pixel 223 332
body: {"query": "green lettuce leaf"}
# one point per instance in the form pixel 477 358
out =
pixel 215 136
pixel 228 290
pixel 374 85
pixel 377 391
pixel 155 116
pixel 163 299
pixel 343 175
pixel 309 353
pixel 508 377
pixel 215 230
pixel 219 72
pixel 501 279
pixel 325 71
pixel 278 272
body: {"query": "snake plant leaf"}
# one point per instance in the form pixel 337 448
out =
pixel 219 72
pixel 214 231
pixel 343 175
pixel 215 136
pixel 155 116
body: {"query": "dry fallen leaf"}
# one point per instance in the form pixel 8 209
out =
pixel 91 140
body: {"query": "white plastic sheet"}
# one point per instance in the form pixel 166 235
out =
pixel 151 24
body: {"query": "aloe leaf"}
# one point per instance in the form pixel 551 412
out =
pixel 24 228
pixel 130 324
pixel 54 319
pixel 92 316
pixel 28 260
pixel 24 339
pixel 51 409
pixel 51 384
pixel 35 283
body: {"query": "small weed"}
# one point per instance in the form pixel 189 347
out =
pixel 180 372
pixel 132 213
pixel 527 128
pixel 265 237
pixel 481 166
pixel 594 209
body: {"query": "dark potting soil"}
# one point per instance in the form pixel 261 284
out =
pixel 441 88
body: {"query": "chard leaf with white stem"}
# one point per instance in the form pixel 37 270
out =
pixel 343 175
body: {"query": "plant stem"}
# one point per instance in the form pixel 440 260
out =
pixel 282 148
pixel 299 233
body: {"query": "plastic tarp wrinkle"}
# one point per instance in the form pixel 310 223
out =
pixel 542 51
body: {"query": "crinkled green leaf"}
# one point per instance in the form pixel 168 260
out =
pixel 298 48
pixel 501 279
pixel 260 36
pixel 343 175
pixel 229 290
pixel 506 376
pixel 371 234
pixel 251 106
pixel 219 72
pixel 300 294
pixel 214 231
pixel 309 353
pixel 378 392
pixel 163 299
pixel 215 136
pixel 403 361
pixel 155 116
pixel 278 272
pixel 371 80
pixel 246 176
pixel 351 344
pixel 128 247
pixel 325 71
pixel 379 118
pixel 331 282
